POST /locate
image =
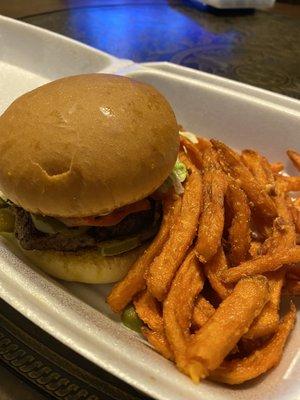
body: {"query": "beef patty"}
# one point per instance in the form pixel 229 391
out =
pixel 32 239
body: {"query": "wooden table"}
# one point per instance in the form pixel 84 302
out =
pixel 259 48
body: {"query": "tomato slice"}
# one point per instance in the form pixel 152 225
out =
pixel 111 219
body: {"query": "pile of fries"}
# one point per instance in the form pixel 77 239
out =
pixel 208 288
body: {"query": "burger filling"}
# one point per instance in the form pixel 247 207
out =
pixel 120 231
pixel 125 235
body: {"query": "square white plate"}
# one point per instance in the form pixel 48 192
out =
pixel 77 314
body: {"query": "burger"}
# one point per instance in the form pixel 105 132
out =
pixel 84 163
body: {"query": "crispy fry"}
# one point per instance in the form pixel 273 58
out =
pixel 211 222
pixel 277 167
pixel 296 217
pixel 262 264
pixel 213 270
pixel 165 265
pixel 147 309
pixel 178 306
pixel 134 281
pixel 258 165
pixel 268 321
pixel 255 249
pixel 202 143
pixel 239 232
pixel 202 312
pixel 266 357
pixel 256 193
pixel 210 345
pixel 283 237
pixel 192 151
pixel 295 158
pixel 292 183
pixel 159 341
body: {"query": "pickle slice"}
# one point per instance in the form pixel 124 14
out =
pixel 114 247
pixel 47 224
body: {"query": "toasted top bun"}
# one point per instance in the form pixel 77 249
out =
pixel 86 145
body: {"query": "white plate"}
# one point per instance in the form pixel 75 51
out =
pixel 77 314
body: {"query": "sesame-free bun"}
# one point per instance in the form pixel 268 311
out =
pixel 86 145
pixel 84 266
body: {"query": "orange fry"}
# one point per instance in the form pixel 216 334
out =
pixel 237 371
pixel 292 183
pixel 165 265
pixel 134 281
pixel 239 232
pixel 192 151
pixel 214 341
pixel 255 249
pixel 258 165
pixel 295 158
pixel 283 235
pixel 213 270
pixel 147 309
pixel 159 341
pixel 202 143
pixel 277 167
pixel 268 320
pixel 296 217
pixel 202 312
pixel 211 222
pixel 178 306
pixel 256 193
pixel 262 264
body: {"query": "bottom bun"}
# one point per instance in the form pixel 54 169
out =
pixel 85 266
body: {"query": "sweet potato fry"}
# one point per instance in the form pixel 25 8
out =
pixel 134 281
pixel 147 309
pixel 259 166
pixel 262 264
pixel 211 222
pixel 165 265
pixel 292 183
pixel 283 233
pixel 178 306
pixel 237 371
pixel 296 217
pixel 277 167
pixel 211 344
pixel 232 164
pixel 192 151
pixel 213 270
pixel 202 312
pixel 255 249
pixel 202 143
pixel 283 237
pixel 295 158
pixel 159 341
pixel 268 321
pixel 239 232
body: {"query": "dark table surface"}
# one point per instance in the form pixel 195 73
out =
pixel 260 49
